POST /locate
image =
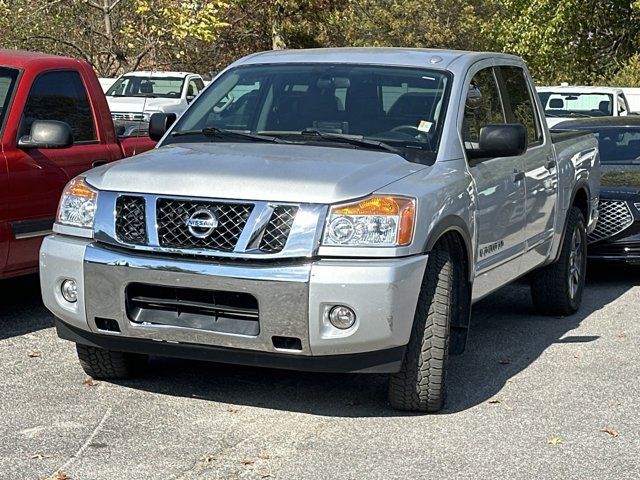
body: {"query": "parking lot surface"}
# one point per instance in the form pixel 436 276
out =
pixel 532 397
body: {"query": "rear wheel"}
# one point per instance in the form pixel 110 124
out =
pixel 107 364
pixel 420 384
pixel 557 288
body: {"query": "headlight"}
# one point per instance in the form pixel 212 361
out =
pixel 376 221
pixel 78 204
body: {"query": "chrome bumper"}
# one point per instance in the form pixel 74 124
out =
pixel 294 298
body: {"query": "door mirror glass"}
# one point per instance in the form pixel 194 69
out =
pixel 501 140
pixel 159 123
pixel 47 134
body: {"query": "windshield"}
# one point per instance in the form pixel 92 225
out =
pixel 402 107
pixel 150 87
pixel 7 82
pixel 561 104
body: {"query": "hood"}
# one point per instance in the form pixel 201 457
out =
pixel 255 171
pixel 139 104
pixel 620 178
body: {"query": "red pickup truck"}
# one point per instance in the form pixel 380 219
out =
pixel 54 124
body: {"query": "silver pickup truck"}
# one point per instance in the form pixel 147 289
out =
pixel 326 210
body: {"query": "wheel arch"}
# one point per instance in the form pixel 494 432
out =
pixel 453 225
pixel 453 231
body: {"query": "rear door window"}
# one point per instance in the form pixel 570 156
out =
pixel 519 106
pixel 60 96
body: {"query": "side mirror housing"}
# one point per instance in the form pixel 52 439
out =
pixel 159 123
pixel 47 134
pixel 501 140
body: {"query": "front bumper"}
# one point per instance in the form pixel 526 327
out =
pixel 293 298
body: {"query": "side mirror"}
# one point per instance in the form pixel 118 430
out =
pixel 47 134
pixel 159 123
pixel 190 98
pixel 501 140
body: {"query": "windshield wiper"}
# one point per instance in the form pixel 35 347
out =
pixel 358 142
pixel 223 132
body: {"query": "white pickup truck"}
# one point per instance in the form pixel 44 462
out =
pixel 134 97
pixel 326 210
pixel 566 102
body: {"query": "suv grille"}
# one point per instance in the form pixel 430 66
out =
pixel 278 229
pixel 615 217
pixel 130 220
pixel 172 216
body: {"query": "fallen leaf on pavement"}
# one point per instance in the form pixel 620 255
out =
pixel 232 410
pixel 555 441
pixel 264 456
pixel 90 382
pixel 39 456
pixel 247 461
pixel 59 475
pixel 207 459
pixel 613 433
pixel 494 401
pixel 34 354
pixel 621 335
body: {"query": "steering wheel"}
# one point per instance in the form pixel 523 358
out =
pixel 415 132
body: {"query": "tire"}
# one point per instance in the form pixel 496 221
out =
pixel 107 364
pixel 557 288
pixel 420 384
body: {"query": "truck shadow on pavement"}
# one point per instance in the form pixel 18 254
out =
pixel 21 308
pixel 506 337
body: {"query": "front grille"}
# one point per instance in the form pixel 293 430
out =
pixel 616 250
pixel 130 220
pixel 173 232
pixel 278 229
pixel 127 116
pixel 615 217
pixel 212 310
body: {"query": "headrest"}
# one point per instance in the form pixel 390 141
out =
pixel 556 103
pixel 146 87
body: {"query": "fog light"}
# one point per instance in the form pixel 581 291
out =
pixel 69 289
pixel 342 317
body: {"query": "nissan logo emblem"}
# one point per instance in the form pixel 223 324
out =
pixel 202 223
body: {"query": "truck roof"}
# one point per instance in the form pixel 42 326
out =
pixel 22 58
pixel 157 74
pixel 580 89
pixel 407 57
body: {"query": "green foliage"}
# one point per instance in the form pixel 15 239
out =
pixel 628 75
pixel 578 41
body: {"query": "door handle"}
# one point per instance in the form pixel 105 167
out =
pixel 551 164
pixel 99 163
pixel 517 176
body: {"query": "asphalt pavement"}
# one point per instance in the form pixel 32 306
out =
pixel 532 397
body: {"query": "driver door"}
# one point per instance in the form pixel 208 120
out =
pixel 37 176
pixel 500 189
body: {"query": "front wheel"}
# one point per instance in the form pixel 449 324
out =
pixel 420 384
pixel 557 288
pixel 104 364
